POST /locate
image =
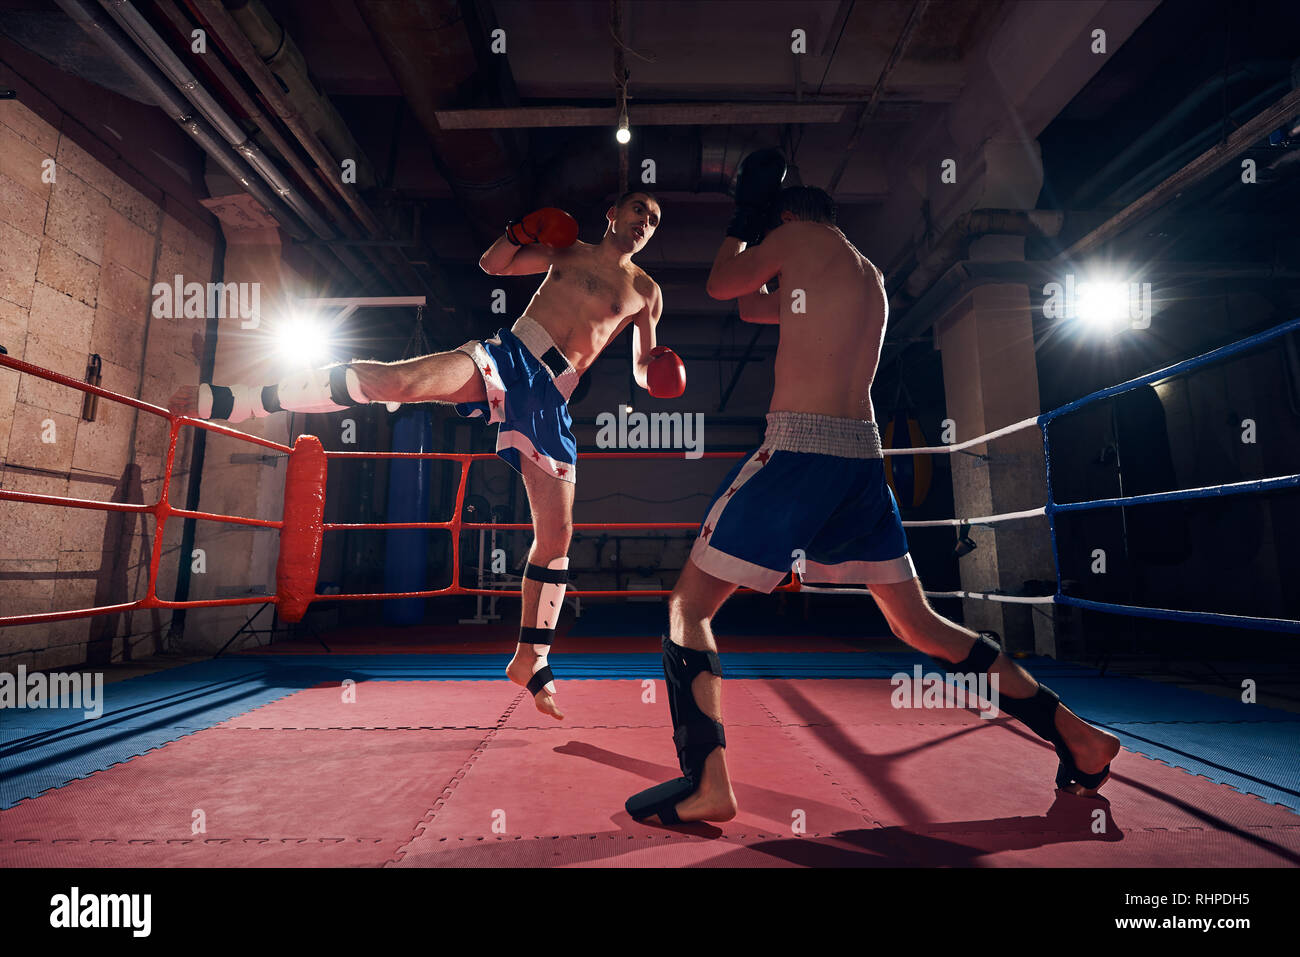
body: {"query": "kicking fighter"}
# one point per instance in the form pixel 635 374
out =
pixel 817 483
pixel 522 378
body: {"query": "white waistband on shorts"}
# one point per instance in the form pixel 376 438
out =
pixel 822 435
pixel 538 341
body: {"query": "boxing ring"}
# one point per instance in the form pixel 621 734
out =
pixel 438 761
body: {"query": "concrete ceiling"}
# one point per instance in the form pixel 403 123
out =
pixel 1012 92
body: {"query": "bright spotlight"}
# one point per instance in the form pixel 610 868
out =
pixel 303 339
pixel 624 135
pixel 1104 305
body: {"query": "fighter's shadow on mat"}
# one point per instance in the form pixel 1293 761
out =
pixel 1070 818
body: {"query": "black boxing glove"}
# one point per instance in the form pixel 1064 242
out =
pixel 757 193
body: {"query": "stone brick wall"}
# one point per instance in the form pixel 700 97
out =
pixel 78 258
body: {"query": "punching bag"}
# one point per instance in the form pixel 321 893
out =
pixel 908 475
pixel 410 482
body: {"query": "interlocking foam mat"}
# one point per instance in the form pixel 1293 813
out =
pixel 432 760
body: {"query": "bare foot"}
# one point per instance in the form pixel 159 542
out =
pixel 527 662
pixel 1092 748
pixel 713 800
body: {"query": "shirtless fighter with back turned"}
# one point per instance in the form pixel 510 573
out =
pixel 817 483
pixel 522 379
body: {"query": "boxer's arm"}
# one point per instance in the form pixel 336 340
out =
pixel 504 258
pixel 738 271
pixel 761 307
pixel 516 253
pixel 643 336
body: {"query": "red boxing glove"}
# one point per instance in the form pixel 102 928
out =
pixel 548 226
pixel 666 374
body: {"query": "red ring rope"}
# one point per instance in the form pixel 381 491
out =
pixel 302 527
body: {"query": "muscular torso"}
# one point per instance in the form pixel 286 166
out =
pixel 828 355
pixel 585 302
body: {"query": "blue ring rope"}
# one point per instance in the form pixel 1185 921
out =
pixel 1209 491
pixel 1206 617
pixel 1178 367
pixel 1237 488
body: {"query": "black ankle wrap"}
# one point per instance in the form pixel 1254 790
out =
pixel 552 576
pixel 536 636
pixel 1037 712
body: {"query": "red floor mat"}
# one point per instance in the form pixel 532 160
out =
pixel 623 704
pixel 396 782
pixel 849 701
pixel 324 787
pixel 387 704
pixel 589 775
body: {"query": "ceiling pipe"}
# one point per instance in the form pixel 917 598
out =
pixel 278 51
pixel 147 38
pixel 228 85
pixel 290 109
pixel 1094 189
pixel 241 50
pixel 1150 175
pixel 1281 111
pixel 102 30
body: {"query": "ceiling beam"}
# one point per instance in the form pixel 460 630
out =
pixel 644 114
pixel 1246 135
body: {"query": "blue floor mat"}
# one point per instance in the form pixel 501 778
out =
pixel 1261 759
pixel 47 748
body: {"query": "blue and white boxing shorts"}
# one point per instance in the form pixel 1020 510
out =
pixel 812 497
pixel 528 382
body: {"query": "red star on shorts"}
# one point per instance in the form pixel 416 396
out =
pixel 763 456
pixel 536 457
pixel 496 402
pixel 561 472
pixel 487 370
pixel 707 532
pixel 730 492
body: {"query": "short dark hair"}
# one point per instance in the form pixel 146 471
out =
pixel 809 204
pixel 636 192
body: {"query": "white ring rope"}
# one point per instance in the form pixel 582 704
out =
pixel 980 520
pixel 939 449
pixel 987 596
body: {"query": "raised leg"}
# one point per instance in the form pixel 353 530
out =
pixel 440 377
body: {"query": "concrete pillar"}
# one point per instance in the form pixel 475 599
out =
pixel 991 380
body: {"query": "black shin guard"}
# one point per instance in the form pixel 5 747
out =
pixel 1037 712
pixel 695 734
